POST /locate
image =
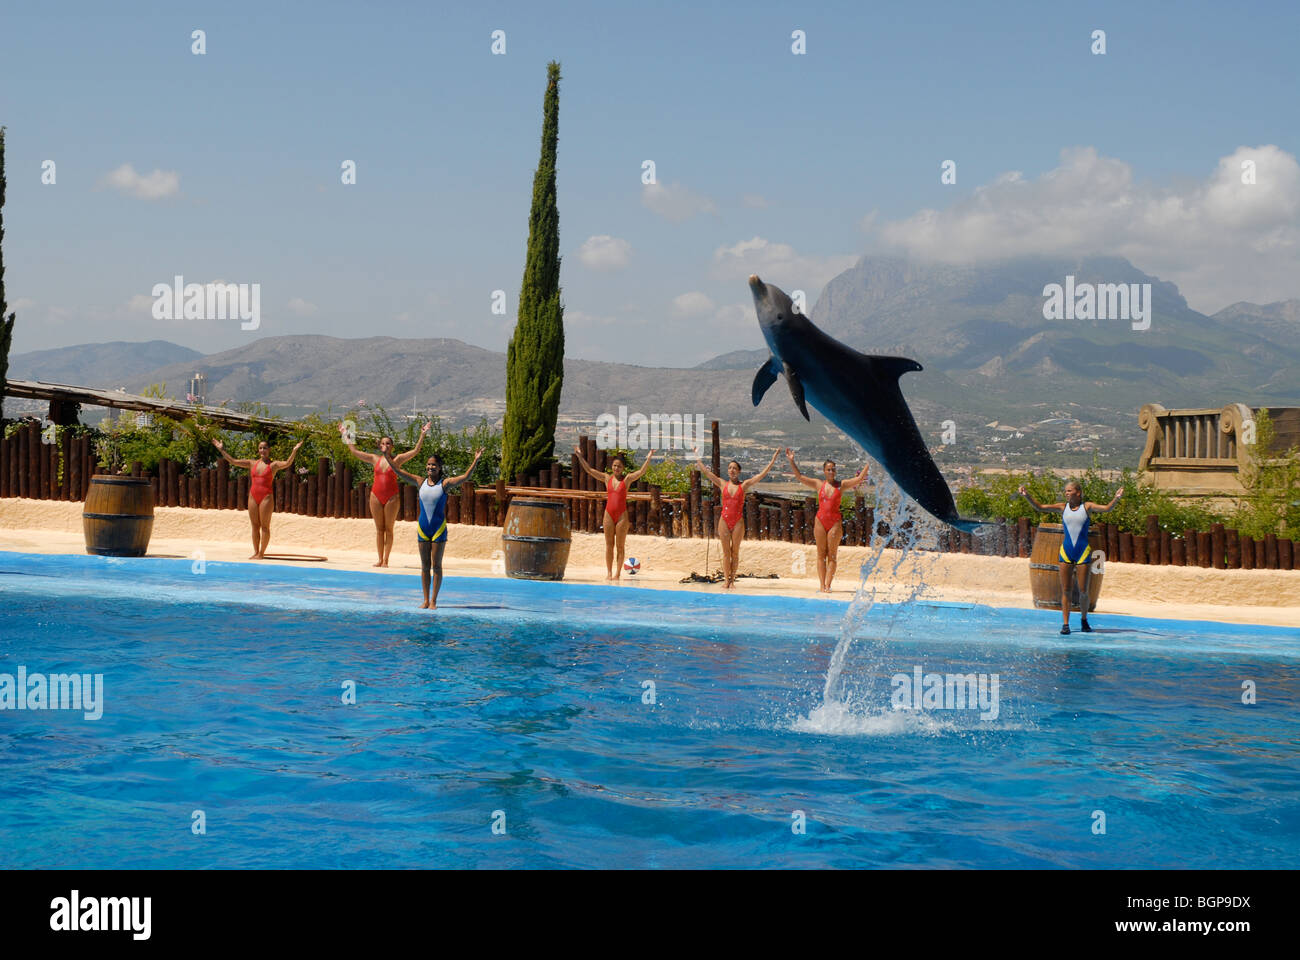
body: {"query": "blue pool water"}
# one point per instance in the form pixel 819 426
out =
pixel 222 693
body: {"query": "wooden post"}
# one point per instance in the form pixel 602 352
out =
pixel 1285 554
pixel 717 450
pixel 321 507
pixel 1141 549
pixel 1153 538
pixel 1023 538
pixel 697 520
pixel 65 460
pixel 1270 551
pixel 751 516
pixel 1178 553
pixel 73 468
pixel 1217 546
pixel 40 465
pixel 1193 545
pixel 783 519
pixel 1166 547
pixel 223 482
pixel 467 502
pixel 1261 562
pixel 1232 553
pixel 1247 552
pixel 1126 547
pixel 482 503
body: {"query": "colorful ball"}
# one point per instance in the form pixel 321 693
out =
pixel 631 566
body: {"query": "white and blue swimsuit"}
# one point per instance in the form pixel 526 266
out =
pixel 1074 548
pixel 432 522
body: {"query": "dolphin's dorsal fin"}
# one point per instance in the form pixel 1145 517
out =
pixel 893 367
pixel 796 391
pixel 764 379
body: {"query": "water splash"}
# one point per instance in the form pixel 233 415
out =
pixel 893 555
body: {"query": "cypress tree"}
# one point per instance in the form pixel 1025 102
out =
pixel 6 323
pixel 535 356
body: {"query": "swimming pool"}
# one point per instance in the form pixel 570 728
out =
pixel 525 707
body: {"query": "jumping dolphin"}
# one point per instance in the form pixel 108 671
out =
pixel 856 392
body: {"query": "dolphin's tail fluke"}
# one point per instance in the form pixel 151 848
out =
pixel 968 525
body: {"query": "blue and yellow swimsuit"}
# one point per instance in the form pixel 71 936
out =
pixel 1074 548
pixel 432 522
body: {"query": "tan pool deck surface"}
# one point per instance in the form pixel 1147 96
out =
pixel 1193 593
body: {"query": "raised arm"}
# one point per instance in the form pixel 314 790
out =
pixel 806 481
pixel 1041 507
pixel 636 475
pixel 246 464
pixel 858 480
pixel 756 478
pixel 286 464
pixel 699 465
pixel 369 458
pixel 602 477
pixel 401 458
pixel 454 481
pixel 1098 508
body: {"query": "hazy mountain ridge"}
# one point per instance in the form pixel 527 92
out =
pixel 979 332
pixel 112 364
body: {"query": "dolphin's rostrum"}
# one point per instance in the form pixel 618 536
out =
pixel 856 392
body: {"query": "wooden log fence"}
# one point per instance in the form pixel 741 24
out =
pixel 59 466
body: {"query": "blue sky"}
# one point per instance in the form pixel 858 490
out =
pixel 789 165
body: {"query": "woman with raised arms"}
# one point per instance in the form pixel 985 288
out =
pixel 1075 554
pixel 731 522
pixel 828 528
pixel 615 519
pixel 384 501
pixel 261 495
pixel 431 525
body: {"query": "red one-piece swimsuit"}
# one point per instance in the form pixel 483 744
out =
pixel 732 505
pixel 616 505
pixel 828 506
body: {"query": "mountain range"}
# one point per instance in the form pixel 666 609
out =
pixel 979 332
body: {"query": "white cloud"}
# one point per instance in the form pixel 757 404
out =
pixel 302 308
pixel 737 316
pixel 151 186
pixel 754 200
pixel 140 303
pixel 675 202
pixel 1220 240
pixel 603 252
pixel 693 304
pixel 22 303
pixel 778 263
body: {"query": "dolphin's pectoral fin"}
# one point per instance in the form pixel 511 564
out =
pixel 796 391
pixel 763 379
pixel 894 366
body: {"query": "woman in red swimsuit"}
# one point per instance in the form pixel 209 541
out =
pixel 731 525
pixel 384 501
pixel 615 520
pixel 261 500
pixel 828 528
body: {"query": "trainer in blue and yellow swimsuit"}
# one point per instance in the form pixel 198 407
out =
pixel 432 522
pixel 1074 548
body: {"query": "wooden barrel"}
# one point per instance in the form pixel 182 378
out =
pixel 535 538
pixel 118 516
pixel 1045 573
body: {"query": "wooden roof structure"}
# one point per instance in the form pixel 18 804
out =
pixel 62 397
